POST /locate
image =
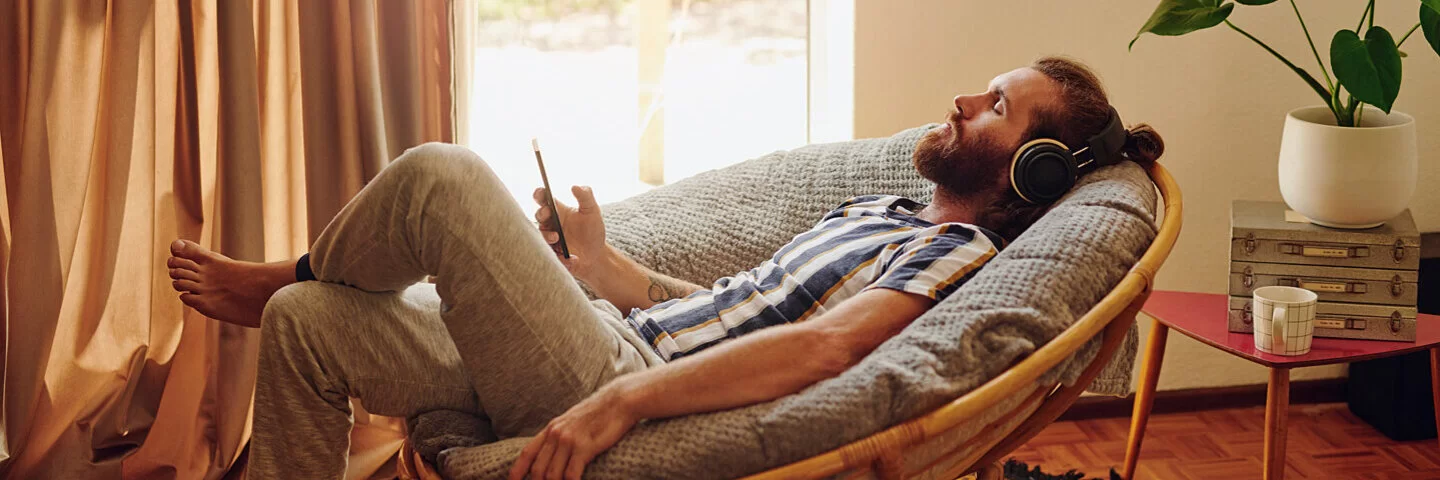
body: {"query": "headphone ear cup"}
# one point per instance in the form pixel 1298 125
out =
pixel 1042 171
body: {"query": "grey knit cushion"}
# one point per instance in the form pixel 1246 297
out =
pixel 724 221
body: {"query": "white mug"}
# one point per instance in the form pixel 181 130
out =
pixel 1284 319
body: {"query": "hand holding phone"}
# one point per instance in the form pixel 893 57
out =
pixel 584 232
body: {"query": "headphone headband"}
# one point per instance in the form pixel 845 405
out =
pixel 1104 148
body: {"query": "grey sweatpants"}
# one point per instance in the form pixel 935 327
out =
pixel 511 339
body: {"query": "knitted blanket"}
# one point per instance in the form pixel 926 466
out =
pixel 720 222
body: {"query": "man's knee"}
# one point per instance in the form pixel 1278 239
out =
pixel 448 170
pixel 443 162
pixel 287 301
pixel 293 313
pixel 297 333
pixel 439 150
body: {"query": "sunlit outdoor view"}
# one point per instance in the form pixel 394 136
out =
pixel 626 94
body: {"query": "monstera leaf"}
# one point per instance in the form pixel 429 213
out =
pixel 1369 68
pixel 1179 17
pixel 1430 22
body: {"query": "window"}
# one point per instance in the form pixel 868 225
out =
pixel 628 94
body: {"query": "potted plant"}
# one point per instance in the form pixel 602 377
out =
pixel 1346 163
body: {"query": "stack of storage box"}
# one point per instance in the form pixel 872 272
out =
pixel 1366 279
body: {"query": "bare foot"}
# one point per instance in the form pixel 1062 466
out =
pixel 224 289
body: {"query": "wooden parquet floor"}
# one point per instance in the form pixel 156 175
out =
pixel 1326 441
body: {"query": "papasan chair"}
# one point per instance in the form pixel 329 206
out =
pixel 1051 316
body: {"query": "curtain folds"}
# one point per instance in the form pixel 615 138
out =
pixel 242 125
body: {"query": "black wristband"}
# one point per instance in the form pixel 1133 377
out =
pixel 302 269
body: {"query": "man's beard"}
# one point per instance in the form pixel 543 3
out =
pixel 961 166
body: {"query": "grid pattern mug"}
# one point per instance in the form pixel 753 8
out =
pixel 1284 320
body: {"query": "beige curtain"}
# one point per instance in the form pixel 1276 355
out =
pixel 242 125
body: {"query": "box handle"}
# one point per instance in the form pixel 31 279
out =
pixel 1324 287
pixel 1395 323
pixel 1323 251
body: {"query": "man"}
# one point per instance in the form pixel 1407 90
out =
pixel 519 345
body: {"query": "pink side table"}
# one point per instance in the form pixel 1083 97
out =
pixel 1203 316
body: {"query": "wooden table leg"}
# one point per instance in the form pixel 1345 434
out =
pixel 1435 383
pixel 1277 405
pixel 1145 396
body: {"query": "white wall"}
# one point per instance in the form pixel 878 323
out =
pixel 1217 99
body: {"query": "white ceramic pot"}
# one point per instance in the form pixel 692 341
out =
pixel 1348 177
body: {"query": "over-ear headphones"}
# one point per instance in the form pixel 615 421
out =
pixel 1044 169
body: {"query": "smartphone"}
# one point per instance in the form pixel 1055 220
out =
pixel 550 198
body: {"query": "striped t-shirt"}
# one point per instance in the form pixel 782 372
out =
pixel 871 241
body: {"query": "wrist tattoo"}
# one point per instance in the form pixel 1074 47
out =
pixel 662 289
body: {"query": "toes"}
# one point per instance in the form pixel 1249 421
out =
pixel 184 274
pixel 190 300
pixel 189 250
pixel 185 285
pixel 182 263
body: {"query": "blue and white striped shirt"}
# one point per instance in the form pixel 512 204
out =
pixel 871 241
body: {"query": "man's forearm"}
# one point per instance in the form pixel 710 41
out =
pixel 770 363
pixel 627 284
pixel 734 374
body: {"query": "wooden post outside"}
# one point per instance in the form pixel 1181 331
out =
pixel 652 37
